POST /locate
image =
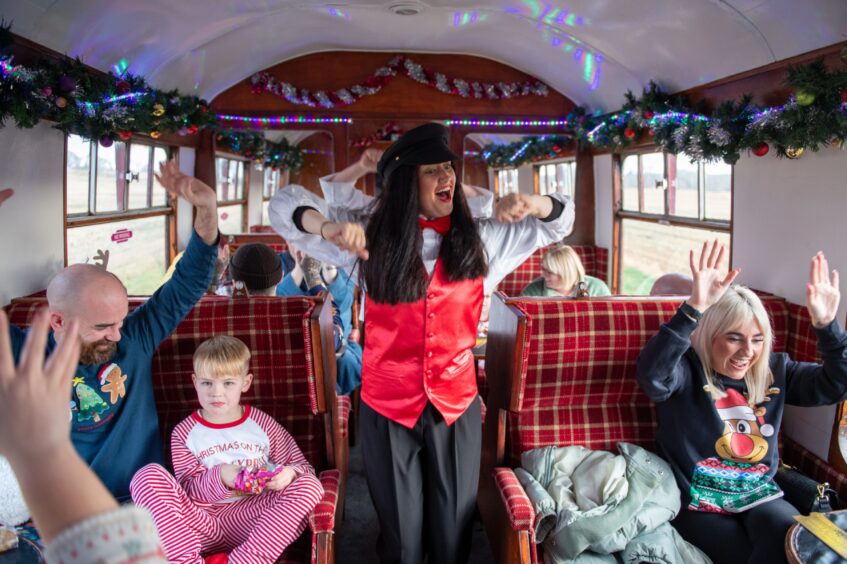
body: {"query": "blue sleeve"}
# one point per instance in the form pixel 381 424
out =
pixel 342 290
pixel 811 384
pixel 662 368
pixel 288 288
pixel 17 336
pixel 151 323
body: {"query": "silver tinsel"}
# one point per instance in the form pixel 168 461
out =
pixel 305 99
pixel 345 96
pixel 490 91
pixel 323 99
pixel 693 150
pixel 477 89
pixel 462 86
pixel 718 135
pixel 441 83
pixel 415 71
pixel 680 135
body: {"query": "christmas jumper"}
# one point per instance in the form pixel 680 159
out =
pixel 114 425
pixel 196 513
pixel 724 452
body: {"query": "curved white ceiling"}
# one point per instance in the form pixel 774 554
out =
pixel 590 50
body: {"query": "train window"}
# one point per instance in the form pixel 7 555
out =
pixel 232 181
pixel 506 182
pixel 665 205
pixel 117 212
pixel 273 177
pixel 556 177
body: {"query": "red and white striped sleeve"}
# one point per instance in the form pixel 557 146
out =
pixel 200 483
pixel 283 448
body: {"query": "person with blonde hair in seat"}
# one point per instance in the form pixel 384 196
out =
pixel 562 274
pixel 720 394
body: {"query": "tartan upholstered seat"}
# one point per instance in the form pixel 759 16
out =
pixel 562 372
pixel 272 240
pixel 286 337
pixel 594 259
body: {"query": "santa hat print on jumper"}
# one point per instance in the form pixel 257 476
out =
pixel 734 406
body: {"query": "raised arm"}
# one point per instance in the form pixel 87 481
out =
pixel 515 207
pixel 5 194
pixel 822 292
pixel 195 192
pixel 365 165
pixel 662 368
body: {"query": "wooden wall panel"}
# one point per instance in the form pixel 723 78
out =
pixel 318 161
pixel 474 169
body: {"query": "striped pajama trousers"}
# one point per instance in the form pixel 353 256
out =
pixel 255 529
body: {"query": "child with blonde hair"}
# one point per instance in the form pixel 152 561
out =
pixel 562 274
pixel 240 484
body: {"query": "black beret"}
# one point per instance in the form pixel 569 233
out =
pixel 257 265
pixel 425 144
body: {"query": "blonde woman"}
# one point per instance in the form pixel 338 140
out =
pixel 562 274
pixel 721 392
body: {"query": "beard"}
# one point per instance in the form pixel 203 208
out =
pixel 98 352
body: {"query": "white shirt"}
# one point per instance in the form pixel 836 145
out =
pixel 506 244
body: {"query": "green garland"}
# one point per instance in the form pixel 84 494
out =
pixel 253 145
pixel 528 149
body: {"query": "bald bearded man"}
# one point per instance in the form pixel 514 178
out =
pixel 114 423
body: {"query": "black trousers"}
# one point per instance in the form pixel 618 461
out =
pixel 423 483
pixel 753 536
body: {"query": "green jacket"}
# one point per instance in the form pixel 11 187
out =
pixel 592 505
pixel 595 287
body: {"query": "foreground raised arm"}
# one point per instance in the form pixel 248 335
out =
pixel 822 293
pixel 709 284
pixel 195 192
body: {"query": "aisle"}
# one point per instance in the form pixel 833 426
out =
pixel 355 541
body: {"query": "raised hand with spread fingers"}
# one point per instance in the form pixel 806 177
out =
pixel 822 293
pixel 709 281
pixel 195 192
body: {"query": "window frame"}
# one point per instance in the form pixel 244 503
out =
pixel 497 188
pixel 90 217
pixel 536 174
pixel 245 193
pixel 665 219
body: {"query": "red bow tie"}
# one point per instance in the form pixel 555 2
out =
pixel 440 225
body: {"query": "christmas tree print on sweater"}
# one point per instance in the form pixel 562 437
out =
pixel 91 405
pixel 735 480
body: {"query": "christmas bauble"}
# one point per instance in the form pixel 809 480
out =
pixel 158 110
pixel 804 98
pixel 125 135
pixel 761 149
pixel 183 131
pixel 557 149
pixel 648 114
pixel 122 87
pixel 47 91
pixel 204 108
pixel 155 134
pixel 731 158
pixel 67 83
pixel 794 153
pixel 837 143
pixel 844 95
pixel 629 133
pixel 106 141
pixel 61 102
pixel 192 129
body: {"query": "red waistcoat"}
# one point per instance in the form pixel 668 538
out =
pixel 421 351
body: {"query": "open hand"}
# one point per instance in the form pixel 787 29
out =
pixel 34 396
pixel 281 480
pixel 512 208
pixel 369 159
pixel 348 237
pixel 5 194
pixel 709 283
pixel 179 184
pixel 822 293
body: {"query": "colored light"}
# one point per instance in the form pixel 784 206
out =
pixel 284 119
pixel 121 67
pixel 508 122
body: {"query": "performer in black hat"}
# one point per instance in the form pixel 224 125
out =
pixel 425 265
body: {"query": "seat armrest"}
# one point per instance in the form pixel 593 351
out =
pixel 322 518
pixel 515 501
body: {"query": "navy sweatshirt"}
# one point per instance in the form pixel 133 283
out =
pixel 724 453
pixel 115 428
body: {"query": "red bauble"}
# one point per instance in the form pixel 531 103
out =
pixel 648 114
pixel 122 87
pixel 47 91
pixel 125 135
pixel 557 149
pixel 629 133
pixel 204 108
pixel 844 95
pixel 761 149
pixel 192 129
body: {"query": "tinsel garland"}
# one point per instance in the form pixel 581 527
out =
pixel 265 82
pixel 261 151
pixel 528 149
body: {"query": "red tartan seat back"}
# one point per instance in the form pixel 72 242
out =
pixel 575 366
pixel 594 259
pixel 285 379
pixel 272 240
pixel 285 383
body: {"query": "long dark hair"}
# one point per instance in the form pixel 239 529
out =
pixel 395 273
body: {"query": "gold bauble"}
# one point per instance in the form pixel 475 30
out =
pixel 794 152
pixel 155 134
pixel 837 143
pixel 158 110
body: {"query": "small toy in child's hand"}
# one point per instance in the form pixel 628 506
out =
pixel 253 480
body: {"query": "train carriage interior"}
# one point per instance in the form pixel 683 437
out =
pixel 666 124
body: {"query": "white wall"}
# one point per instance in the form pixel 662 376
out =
pixel 32 222
pixel 785 211
pixel 254 195
pixel 184 210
